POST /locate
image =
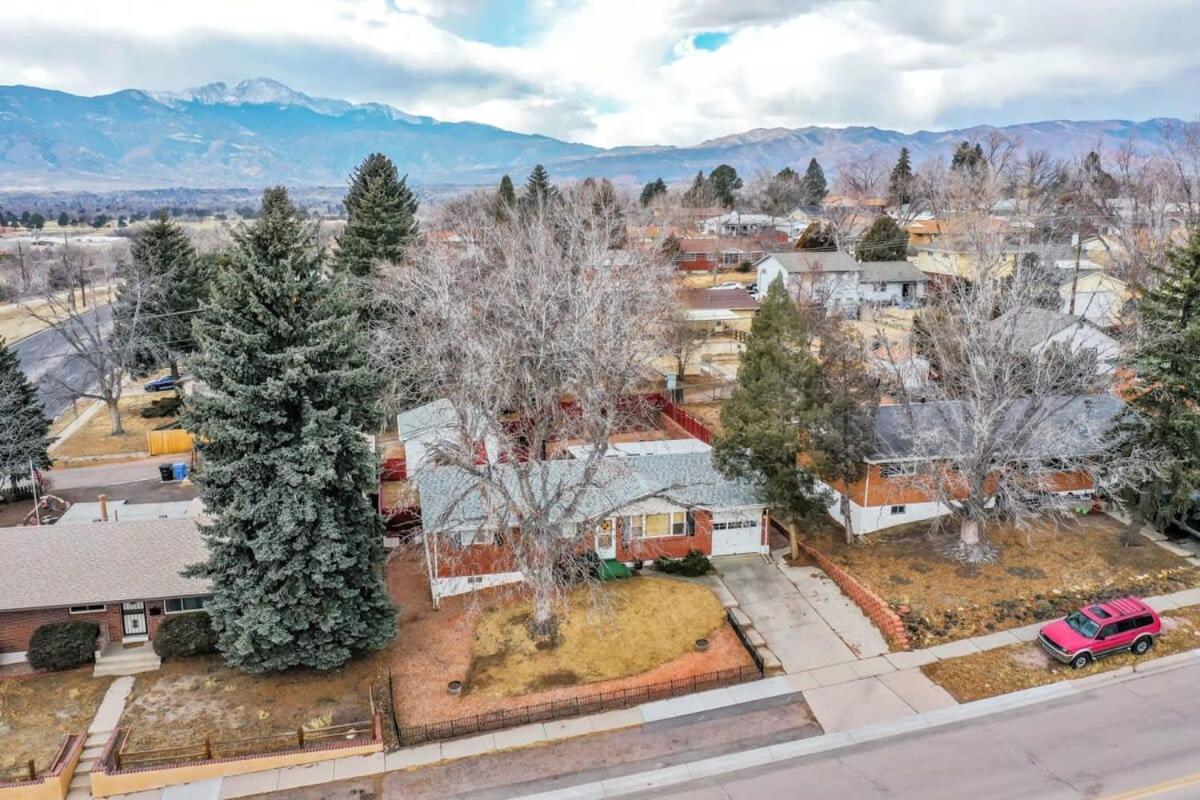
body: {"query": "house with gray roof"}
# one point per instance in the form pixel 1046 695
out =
pixel 635 507
pixel 1033 330
pixel 829 279
pixel 891 282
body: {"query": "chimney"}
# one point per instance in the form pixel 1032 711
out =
pixel 103 508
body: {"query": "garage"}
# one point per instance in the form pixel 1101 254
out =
pixel 736 532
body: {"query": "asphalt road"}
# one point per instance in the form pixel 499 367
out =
pixel 1133 740
pixel 46 354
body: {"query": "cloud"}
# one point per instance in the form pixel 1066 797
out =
pixel 637 71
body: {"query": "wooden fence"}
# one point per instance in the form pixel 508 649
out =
pixel 683 419
pixel 28 772
pixel 174 440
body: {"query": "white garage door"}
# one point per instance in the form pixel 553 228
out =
pixel 736 533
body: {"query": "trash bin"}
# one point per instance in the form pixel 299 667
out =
pixel 165 471
pixel 180 471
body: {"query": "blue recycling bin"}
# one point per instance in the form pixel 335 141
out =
pixel 179 470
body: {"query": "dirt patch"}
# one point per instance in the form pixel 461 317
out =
pixel 37 711
pixel 707 414
pixel 191 697
pixel 1023 666
pixel 1041 573
pixel 93 438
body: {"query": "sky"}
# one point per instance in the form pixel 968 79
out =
pixel 639 72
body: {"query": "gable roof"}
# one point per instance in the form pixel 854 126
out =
pixel 436 415
pixel 50 566
pixel 706 299
pixel 1033 326
pixel 891 272
pixel 451 499
pixel 805 261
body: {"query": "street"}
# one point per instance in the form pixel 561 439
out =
pixel 1137 739
pixel 47 353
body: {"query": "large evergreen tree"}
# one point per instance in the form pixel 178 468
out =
pixel 775 402
pixel 381 217
pixel 817 236
pixel 883 241
pixel 506 198
pixel 539 191
pixel 652 191
pixel 699 194
pixel 24 428
pixel 967 158
pixel 725 182
pixel 295 545
pixel 815 187
pixel 1164 398
pixel 900 182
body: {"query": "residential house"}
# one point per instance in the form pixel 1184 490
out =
pixel 830 279
pixel 736 224
pixel 421 429
pixel 891 282
pixel 949 263
pixel 924 232
pixel 106 510
pixel 713 253
pixel 893 492
pixel 1036 329
pixel 1100 298
pixel 125 576
pixel 637 507
pixel 723 310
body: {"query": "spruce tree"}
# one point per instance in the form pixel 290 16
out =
pixel 900 182
pixel 381 217
pixel 651 191
pixel 699 194
pixel 724 181
pixel 815 187
pixel 539 191
pixel 776 400
pixel 967 158
pixel 506 198
pixel 24 428
pixel 1164 398
pixel 295 545
pixel 883 241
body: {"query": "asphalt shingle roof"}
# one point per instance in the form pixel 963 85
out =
pixel 891 272
pixel 1032 326
pixel 431 416
pixel 815 261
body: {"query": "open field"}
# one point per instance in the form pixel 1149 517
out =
pixel 37 711
pixel 93 438
pixel 16 321
pixel 1023 666
pixel 1041 573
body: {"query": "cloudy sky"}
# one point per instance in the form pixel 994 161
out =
pixel 611 72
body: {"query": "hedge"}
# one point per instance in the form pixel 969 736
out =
pixel 693 565
pixel 185 635
pixel 63 645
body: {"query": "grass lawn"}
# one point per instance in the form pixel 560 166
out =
pixel 16 322
pixel 703 280
pixel 36 711
pixel 1042 573
pixel 94 438
pixel 631 627
pixel 190 697
pixel 1023 666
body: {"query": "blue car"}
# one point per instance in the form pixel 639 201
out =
pixel 160 384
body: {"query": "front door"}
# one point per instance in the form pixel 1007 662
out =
pixel 606 542
pixel 133 620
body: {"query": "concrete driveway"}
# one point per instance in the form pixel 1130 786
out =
pixel 807 621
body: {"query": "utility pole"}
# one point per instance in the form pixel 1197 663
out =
pixel 1075 277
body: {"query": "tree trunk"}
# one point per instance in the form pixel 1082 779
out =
pixel 847 519
pixel 794 538
pixel 1131 534
pixel 543 621
pixel 972 547
pixel 114 415
pixel 175 371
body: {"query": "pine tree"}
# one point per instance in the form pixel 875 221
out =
pixel 173 282
pixel 381 217
pixel 1164 398
pixel 506 198
pixel 295 545
pixel 815 187
pixel 24 428
pixel 539 191
pixel 900 182
pixel 699 194
pixel 774 403
pixel 817 236
pixel 967 158
pixel 724 181
pixel 883 241
pixel 651 191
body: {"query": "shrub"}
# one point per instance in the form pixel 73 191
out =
pixel 693 565
pixel 185 635
pixel 63 645
pixel 578 568
pixel 162 407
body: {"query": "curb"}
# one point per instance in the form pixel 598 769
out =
pixel 785 751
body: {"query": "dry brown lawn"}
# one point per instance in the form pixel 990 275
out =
pixel 628 628
pixel 16 322
pixel 94 437
pixel 1024 666
pixel 702 280
pixel 191 697
pixel 709 415
pixel 37 711
pixel 1040 574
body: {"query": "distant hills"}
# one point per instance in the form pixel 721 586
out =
pixel 259 132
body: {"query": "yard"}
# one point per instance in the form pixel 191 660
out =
pixel 93 438
pixel 1023 666
pixel 16 322
pixel 1041 573
pixel 708 414
pixel 703 280
pixel 37 711
pixel 189 698
pixel 650 638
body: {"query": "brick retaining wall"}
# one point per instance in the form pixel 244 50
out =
pixel 874 606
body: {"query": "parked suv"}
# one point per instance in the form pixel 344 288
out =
pixel 1100 630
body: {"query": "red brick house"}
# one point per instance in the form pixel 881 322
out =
pixel 124 576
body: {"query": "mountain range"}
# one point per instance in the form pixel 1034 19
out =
pixel 260 132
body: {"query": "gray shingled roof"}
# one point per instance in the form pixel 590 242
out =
pixel 1075 429
pixel 451 500
pixel 50 566
pixel 891 272
pixel 431 416
pixel 815 261
pixel 1032 326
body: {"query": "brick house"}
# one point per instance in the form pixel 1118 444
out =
pixel 639 507
pixel 124 576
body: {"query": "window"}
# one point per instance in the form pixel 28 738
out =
pixel 1107 631
pixel 1144 621
pixel 681 523
pixel 1126 625
pixel 472 579
pixel 735 525
pixel 898 469
pixel 633 526
pixel 653 526
pixel 657 525
pixel 94 608
pixel 176 605
pixel 898 510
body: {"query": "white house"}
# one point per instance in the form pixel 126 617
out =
pixel 830 279
pixel 891 282
pixel 1036 329
pixel 1099 298
pixel 736 223
pixel 423 428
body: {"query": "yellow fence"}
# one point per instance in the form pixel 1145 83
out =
pixel 175 440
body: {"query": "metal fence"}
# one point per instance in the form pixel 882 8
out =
pixel 745 640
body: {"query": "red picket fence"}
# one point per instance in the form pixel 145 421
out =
pixel 683 419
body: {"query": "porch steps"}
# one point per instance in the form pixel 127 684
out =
pixel 117 660
pixel 81 781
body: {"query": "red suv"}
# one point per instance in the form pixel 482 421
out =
pixel 1100 630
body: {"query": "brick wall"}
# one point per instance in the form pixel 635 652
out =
pixel 874 606
pixel 670 546
pixel 17 626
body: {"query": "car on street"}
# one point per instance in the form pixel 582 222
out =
pixel 161 384
pixel 1101 629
